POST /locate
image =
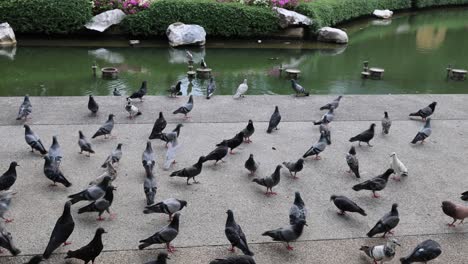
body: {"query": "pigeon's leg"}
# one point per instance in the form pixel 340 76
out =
pixel 8 220
pixel 453 223
pixel 368 144
pixel 32 149
pixel 188 182
pixel 461 222
pixel 232 249
pixel 359 143
pixel 100 218
pixel 423 119
pixel 349 171
pixel 66 243
pixel 396 178
pixel 272 192
pixel 170 248
pixel 105 136
pixel 231 152
pixel 112 216
pixel 341 213
pixel 317 157
pixel 276 128
pixel 89 154
pixel 81 152
pixel 53 184
pixel 390 232
pixel 170 217
pixel 267 192
pixel 288 247
pixel 375 195
pixel 195 181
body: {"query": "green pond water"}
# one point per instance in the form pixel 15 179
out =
pixel 414 49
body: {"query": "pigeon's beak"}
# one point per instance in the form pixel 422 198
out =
pixel 398 244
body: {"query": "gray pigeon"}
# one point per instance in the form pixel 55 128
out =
pixel 382 253
pixel 116 92
pixel 288 233
pixel 186 108
pixel 9 177
pixel 298 89
pixel 251 165
pixel 53 173
pixel 25 109
pixel 426 111
pixel 344 204
pixel 210 89
pixel 163 236
pixel 294 167
pixel 190 172
pixel 6 241
pixel 92 193
pixel 235 235
pixel 377 183
pixel 62 230
pixel 169 206
pixel 274 120
pixel 148 157
pixel 423 133
pixel 335 103
pixel 365 136
pixel 325 129
pixel 270 181
pixel 318 147
pixel 150 187
pixel 388 222
pixel 114 157
pixel 235 260
pixel 84 144
pixel 161 259
pixel 386 123
pixel 55 152
pixel 353 162
pixel 5 201
pixel 248 131
pixel 105 129
pixel 101 205
pixel 140 93
pixel 158 127
pixel 33 140
pixel 298 211
pixel 92 105
pixel 326 118
pixel 424 252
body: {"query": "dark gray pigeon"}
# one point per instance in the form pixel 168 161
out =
pixel 6 241
pixel 377 183
pixel 148 158
pixel 248 131
pixel 190 172
pixel 210 89
pixel 234 142
pixel 274 120
pixel 335 103
pixel 84 144
pixel 116 92
pixel 424 252
pixel 9 177
pixel 298 211
pixel 235 235
pixel 353 162
pixel 251 165
pixel 92 193
pixel 365 136
pixel 63 229
pixel 423 133
pixel 55 152
pixel 161 259
pixel 388 222
pixel 25 109
pixel 35 260
pixel 53 173
pixel 218 153
pixel 105 129
pixel 294 167
pixel 318 147
pixel 270 181
pixel 386 124
pixel 33 140
pixel 235 260
pixel 298 89
pixel 426 111
pixel 163 236
pixel 92 105
pixel 326 118
pixel 114 157
pixel 169 206
pixel 101 205
pixel 186 108
pixel 288 233
pixel 140 93
pixel 89 252
pixel 158 126
pixel 175 89
pixel 5 201
pixel 150 187
pixel 344 204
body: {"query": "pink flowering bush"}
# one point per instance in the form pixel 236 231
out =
pixel 289 4
pixel 134 6
pixel 127 6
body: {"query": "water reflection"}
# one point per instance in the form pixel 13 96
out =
pixel 8 52
pixel 178 56
pixel 107 56
pixel 430 37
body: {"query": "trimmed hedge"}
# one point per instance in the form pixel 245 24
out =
pixel 218 19
pixel 45 16
pixel 429 3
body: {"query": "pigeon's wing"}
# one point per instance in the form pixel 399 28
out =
pixel 295 214
pixel 232 235
pixel 426 111
pixel 391 221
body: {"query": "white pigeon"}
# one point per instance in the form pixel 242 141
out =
pixel 131 109
pixel 398 167
pixel 172 149
pixel 241 90
pixel 382 253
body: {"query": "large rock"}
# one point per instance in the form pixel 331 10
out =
pixel 7 36
pixel 180 34
pixel 335 35
pixel 289 18
pixel 106 19
pixel 383 13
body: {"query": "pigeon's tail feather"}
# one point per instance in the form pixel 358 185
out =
pixel 65 182
pixel 325 107
pixel 86 209
pixel 139 113
pixel 362 212
pixel 356 172
pixel 269 130
pixel 414 114
pixel 385 130
pixel 143 246
pixel 48 251
pixel 464 196
pixel 364 248
pixel 404 174
pixel 404 261
pixel 70 254
pixel 358 187
pixel 156 136
pixel 353 139
pixel 271 234
pixel 374 231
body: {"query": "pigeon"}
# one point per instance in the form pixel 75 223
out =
pixel 5 201
pixel 297 212
pixel 114 157
pixel 317 148
pixel 274 120
pixel 53 173
pixel 243 259
pixel 386 124
pixel 9 177
pixel 203 64
pixel 62 231
pixel 190 172
pixel 158 127
pixel 25 109
pixel 398 167
pixel 353 162
pixel 241 90
pixel 92 105
pixel 210 89
pixel 218 153
pixel 84 144
pixel 335 103
pixel 186 108
pixel 105 129
pixel 148 158
pixel 298 89
pixel 425 112
pixel 172 149
pixel 464 196
pixel 35 260
pixel 140 93
pixel 161 259
pixel 165 235
pixel 132 110
pixel 423 133
pixel 456 211
pixel 382 253
pixel 150 187
pixel 101 205
pixel 116 92
pixel 326 118
pixel 6 241
pixel 424 252
pixel 388 222
pixel 55 152
pixel 89 252
pixel 175 89
pixel 325 128
pixel 248 131
pixel 169 206
pixel 110 171
pixel 288 233
pixel 365 136
pixel 233 142
pixel 344 204
pixel 235 235
pixel 270 181
pixel 171 136
pixel 251 165
pixel 294 167
pixel 189 55
pixel 33 140
pixel 92 193
pixel 377 183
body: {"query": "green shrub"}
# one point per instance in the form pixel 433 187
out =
pixel 218 19
pixel 45 16
pixel 429 3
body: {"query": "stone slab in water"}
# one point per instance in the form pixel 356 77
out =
pixel 7 35
pixel 180 34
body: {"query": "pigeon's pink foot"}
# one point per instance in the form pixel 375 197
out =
pixel 112 216
pixel 288 247
pixel 391 232
pixel 8 220
pixel 231 152
pixel 273 193
pixel 396 178
pixel 100 218
pixel 232 249
pixel 341 213
pixel 375 195
pixel 66 243
pixel 348 171
pixel 318 158
pixel 451 225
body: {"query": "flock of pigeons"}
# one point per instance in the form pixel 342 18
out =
pixel 100 196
